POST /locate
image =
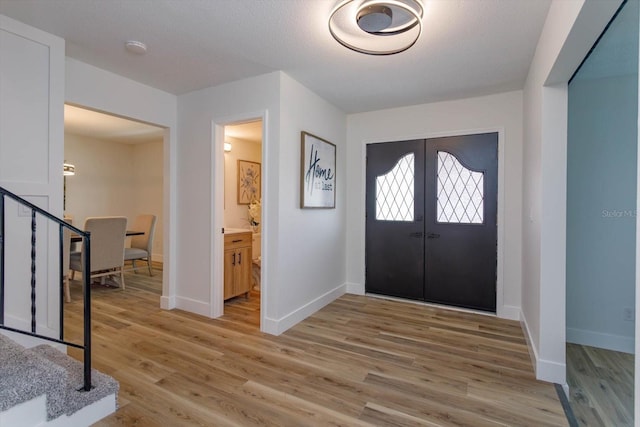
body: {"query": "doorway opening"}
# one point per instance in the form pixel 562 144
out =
pixel 602 144
pixel 243 220
pixel 118 170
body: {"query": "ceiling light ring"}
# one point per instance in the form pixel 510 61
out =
pixel 377 52
pixel 415 9
pixel 414 25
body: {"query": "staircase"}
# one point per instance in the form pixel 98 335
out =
pixel 41 386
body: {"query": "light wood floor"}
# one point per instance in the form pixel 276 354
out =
pixel 360 361
pixel 601 384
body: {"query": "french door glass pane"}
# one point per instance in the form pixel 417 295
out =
pixel 395 192
pixel 460 192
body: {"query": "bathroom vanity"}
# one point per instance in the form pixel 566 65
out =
pixel 237 262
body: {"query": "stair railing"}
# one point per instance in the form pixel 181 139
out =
pixel 86 238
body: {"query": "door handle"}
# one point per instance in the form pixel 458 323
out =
pixel 417 234
pixel 433 236
pixel 233 262
pixel 239 258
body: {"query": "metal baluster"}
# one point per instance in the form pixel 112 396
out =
pixel 86 278
pixel 61 262
pixel 33 271
pixel 1 259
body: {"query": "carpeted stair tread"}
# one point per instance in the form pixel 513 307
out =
pixel 103 385
pixel 24 375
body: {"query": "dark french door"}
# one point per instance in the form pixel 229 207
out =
pixel 431 226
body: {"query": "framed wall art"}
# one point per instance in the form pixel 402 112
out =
pixel 249 182
pixel 318 173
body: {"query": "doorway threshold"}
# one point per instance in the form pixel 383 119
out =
pixel 431 304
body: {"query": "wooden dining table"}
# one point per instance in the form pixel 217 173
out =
pixel 77 238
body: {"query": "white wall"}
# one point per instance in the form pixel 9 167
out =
pixel 570 30
pixel 97 89
pixel 601 200
pixel 235 215
pixel 115 179
pixel 102 183
pixel 201 168
pixel 31 147
pixel 303 261
pixel 312 262
pixel 147 175
pixel 501 112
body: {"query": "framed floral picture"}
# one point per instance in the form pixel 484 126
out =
pixel 249 182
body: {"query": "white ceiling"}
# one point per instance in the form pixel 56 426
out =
pixel 93 124
pixel 250 131
pixel 79 121
pixel 468 47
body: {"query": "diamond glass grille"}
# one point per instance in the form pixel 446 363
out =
pixel 460 192
pixel 394 192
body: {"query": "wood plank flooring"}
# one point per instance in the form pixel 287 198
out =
pixel 360 361
pixel 142 280
pixel 601 384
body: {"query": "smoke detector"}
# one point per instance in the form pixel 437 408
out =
pixel 136 47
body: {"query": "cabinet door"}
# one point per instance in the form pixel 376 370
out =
pixel 229 273
pixel 243 277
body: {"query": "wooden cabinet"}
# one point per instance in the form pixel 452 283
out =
pixel 237 264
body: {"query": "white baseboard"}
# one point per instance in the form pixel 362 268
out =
pixel 509 312
pixel 355 288
pixel 278 326
pixel 550 371
pixel 193 306
pixel 546 370
pixel 600 340
pixel 167 303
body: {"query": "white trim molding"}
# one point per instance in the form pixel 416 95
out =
pixel 355 288
pixel 545 370
pixel 278 326
pixel 198 307
pixel 600 340
pixel 168 303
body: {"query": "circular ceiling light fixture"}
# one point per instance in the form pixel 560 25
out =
pixel 136 47
pixel 377 27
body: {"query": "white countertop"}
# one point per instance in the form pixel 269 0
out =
pixel 236 230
